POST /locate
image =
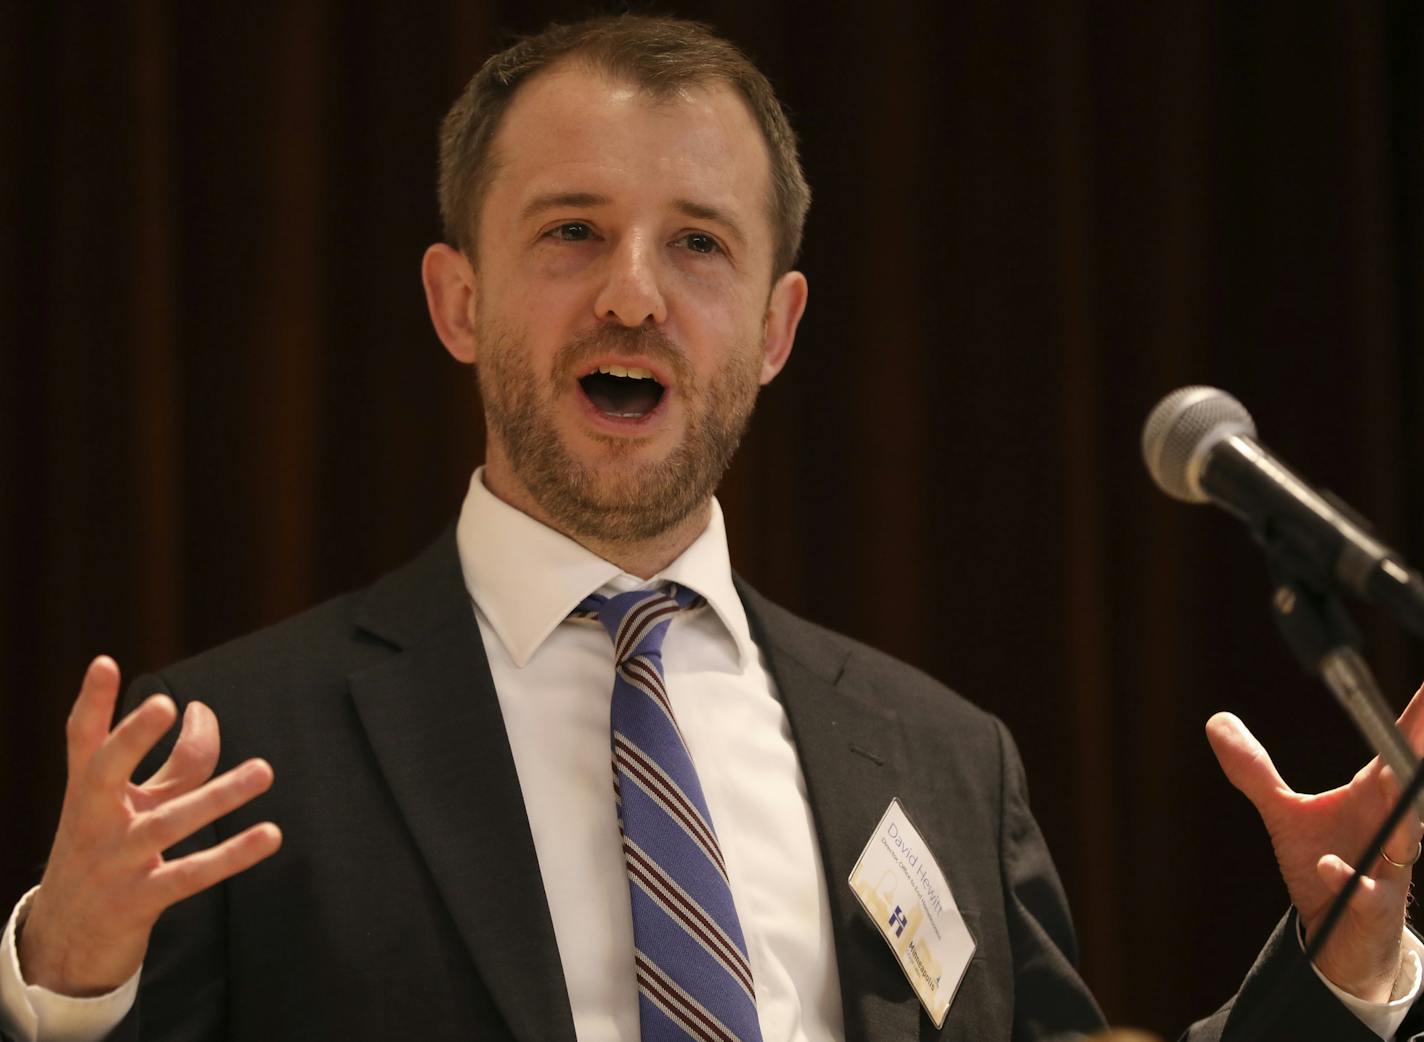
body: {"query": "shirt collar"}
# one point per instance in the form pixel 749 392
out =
pixel 526 577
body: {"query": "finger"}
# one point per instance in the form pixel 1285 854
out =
pixel 1372 902
pixel 93 711
pixel 181 817
pixel 1335 872
pixel 194 755
pixel 137 733
pixel 1411 721
pixel 1363 954
pixel 1390 791
pixel 1245 761
pixel 1397 860
pixel 189 875
pixel 1402 846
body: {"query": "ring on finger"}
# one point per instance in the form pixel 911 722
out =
pixel 1418 849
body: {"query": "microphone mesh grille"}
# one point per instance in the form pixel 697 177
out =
pixel 1178 433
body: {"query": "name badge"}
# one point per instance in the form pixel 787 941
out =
pixel 899 883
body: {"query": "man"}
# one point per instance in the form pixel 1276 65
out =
pixel 624 206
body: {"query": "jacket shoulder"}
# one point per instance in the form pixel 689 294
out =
pixel 325 643
pixel 851 663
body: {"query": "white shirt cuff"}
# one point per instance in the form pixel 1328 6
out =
pixel 1384 1018
pixel 30 1013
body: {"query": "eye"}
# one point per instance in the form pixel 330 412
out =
pixel 571 231
pixel 700 242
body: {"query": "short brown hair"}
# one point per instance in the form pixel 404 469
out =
pixel 659 55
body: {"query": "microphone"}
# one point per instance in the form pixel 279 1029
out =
pixel 1200 445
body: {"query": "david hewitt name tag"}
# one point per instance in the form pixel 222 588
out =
pixel 900 885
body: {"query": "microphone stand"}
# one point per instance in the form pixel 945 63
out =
pixel 1321 635
pixel 1325 642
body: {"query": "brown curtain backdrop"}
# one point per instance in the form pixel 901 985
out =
pixel 220 399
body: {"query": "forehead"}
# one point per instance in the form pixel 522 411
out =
pixel 574 129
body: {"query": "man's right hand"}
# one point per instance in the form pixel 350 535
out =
pixel 106 882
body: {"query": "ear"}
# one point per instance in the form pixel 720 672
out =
pixel 450 294
pixel 783 314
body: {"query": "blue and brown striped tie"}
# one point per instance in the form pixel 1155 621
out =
pixel 690 959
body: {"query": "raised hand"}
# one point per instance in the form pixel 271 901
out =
pixel 1315 836
pixel 106 882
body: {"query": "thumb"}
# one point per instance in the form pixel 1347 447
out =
pixel 1244 760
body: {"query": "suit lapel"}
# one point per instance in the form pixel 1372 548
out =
pixel 433 719
pixel 850 748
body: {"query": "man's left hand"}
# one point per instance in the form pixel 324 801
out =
pixel 1313 835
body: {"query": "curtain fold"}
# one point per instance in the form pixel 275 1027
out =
pixel 220 399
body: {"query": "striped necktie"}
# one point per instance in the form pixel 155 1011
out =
pixel 690 959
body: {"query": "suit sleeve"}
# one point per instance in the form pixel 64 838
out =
pixel 1051 1001
pixel 183 988
pixel 1282 1000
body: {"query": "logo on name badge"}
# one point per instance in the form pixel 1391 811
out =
pixel 899 884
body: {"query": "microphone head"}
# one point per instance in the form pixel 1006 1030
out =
pixel 1181 432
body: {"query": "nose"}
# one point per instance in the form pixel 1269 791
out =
pixel 631 293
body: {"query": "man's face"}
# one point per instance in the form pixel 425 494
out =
pixel 621 296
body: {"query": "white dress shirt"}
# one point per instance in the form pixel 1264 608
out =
pixel 554 681
pixel 554 678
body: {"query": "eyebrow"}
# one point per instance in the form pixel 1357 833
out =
pixel 579 200
pixel 703 212
pixel 555 200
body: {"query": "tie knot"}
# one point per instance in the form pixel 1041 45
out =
pixel 636 621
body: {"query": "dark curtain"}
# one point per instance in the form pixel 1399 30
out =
pixel 220 399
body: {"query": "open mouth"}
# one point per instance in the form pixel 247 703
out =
pixel 624 393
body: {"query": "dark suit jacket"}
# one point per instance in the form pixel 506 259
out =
pixel 407 902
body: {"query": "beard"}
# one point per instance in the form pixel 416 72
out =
pixel 618 500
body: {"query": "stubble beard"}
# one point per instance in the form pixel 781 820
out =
pixel 619 502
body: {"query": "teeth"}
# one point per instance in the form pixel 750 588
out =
pixel 633 373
